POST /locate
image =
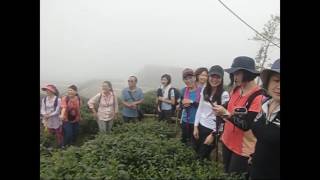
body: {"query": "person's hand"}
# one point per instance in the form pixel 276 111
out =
pixel 134 106
pixel 209 139
pixel 61 117
pixel 220 111
pixel 196 132
pixel 161 98
pixel 186 102
pixel 46 116
pixel 159 110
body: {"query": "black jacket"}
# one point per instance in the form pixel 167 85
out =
pixel 266 159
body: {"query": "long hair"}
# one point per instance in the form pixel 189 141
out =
pixel 207 92
pixel 109 84
pixel 199 71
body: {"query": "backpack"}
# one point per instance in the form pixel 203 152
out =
pixel 177 95
pixel 54 105
pixel 55 101
pixel 250 98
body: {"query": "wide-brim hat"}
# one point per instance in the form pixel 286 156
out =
pixel 49 87
pixel 264 75
pixel 243 63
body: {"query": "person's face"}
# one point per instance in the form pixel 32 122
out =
pixel 238 77
pixel 105 88
pixel 215 80
pixel 71 92
pixel 189 81
pixel 132 82
pixel 203 77
pixel 49 93
pixel 274 87
pixel 164 81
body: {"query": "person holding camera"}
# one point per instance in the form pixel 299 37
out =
pixel 207 126
pixel 244 105
pixel 266 128
pixel 70 115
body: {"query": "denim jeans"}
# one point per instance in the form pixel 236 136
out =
pixel 70 132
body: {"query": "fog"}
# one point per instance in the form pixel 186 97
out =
pixel 89 39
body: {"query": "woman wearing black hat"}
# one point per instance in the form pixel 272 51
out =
pixel 266 128
pixel 207 125
pixel 244 105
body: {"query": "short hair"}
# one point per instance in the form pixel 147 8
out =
pixel 136 79
pixel 167 76
pixel 247 76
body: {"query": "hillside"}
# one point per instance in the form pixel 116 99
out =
pixel 148 79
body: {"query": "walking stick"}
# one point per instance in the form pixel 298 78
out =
pixel 177 117
pixel 218 121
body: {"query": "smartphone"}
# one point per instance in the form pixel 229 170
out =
pixel 241 110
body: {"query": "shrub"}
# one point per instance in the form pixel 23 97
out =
pixel 132 151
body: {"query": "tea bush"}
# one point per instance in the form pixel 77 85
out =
pixel 145 150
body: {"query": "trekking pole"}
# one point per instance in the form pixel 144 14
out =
pixel 217 146
pixel 217 138
pixel 177 117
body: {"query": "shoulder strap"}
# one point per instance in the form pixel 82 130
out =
pixel 114 103
pixel 252 97
pixel 131 96
pixel 79 100
pixel 198 91
pixel 169 93
pixel 45 103
pixel 99 100
pixel 55 103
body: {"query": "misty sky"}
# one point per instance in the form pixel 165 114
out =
pixel 85 39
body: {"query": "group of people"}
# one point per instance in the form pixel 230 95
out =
pixel 246 117
pixel 61 116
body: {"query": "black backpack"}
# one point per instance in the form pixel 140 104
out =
pixel 251 97
pixel 177 95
